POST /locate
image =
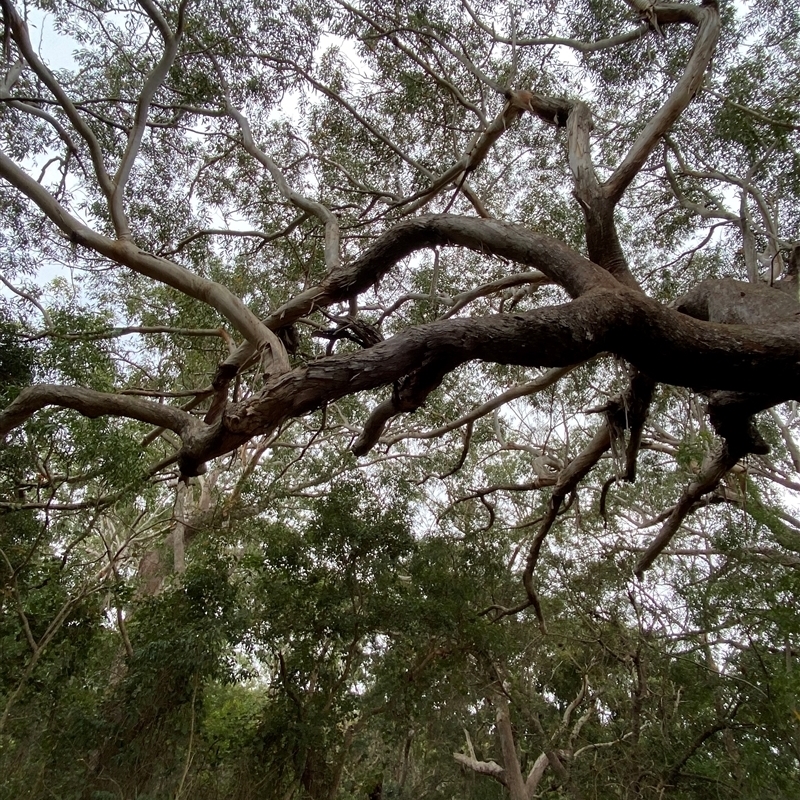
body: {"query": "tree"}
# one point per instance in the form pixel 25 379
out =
pixel 542 262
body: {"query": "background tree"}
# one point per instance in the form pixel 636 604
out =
pixel 389 381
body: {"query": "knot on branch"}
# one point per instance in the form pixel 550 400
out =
pixel 548 109
pixel 356 330
pixel 731 416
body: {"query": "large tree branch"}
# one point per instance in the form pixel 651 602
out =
pixel 605 317
pixel 491 237
pixel 91 403
pixel 706 18
pixel 672 347
pixel 160 269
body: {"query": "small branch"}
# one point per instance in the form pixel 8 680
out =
pixel 779 123
pixel 523 390
pixel 265 237
pixel 151 86
pixel 329 220
pixel 48 321
pixel 555 41
pixel 462 299
pixel 716 469
pixel 115 333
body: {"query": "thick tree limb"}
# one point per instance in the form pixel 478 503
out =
pixel 605 317
pixel 489 236
pixel 672 347
pixel 93 404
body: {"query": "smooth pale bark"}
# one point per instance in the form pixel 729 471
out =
pixel 126 253
pixel 93 404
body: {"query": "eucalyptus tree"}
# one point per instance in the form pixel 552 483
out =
pixel 541 261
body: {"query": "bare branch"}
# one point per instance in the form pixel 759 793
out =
pixel 523 390
pixel 31 299
pixel 490 768
pixel 151 86
pixel 93 404
pixel 329 220
pixel 265 237
pixel 706 18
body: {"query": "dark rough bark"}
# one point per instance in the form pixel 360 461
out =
pixel 694 345
pixel 733 302
pixel 669 346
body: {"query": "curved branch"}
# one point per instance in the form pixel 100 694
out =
pixel 128 254
pixel 264 237
pixel 93 404
pixel 720 465
pixel 28 108
pixel 475 152
pixel 328 219
pixel 532 279
pixel 673 347
pixel 706 18
pixel 575 44
pixel 488 236
pixel 151 86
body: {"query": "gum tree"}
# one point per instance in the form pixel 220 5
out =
pixel 175 135
pixel 540 261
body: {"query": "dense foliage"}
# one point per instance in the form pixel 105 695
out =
pixel 400 399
